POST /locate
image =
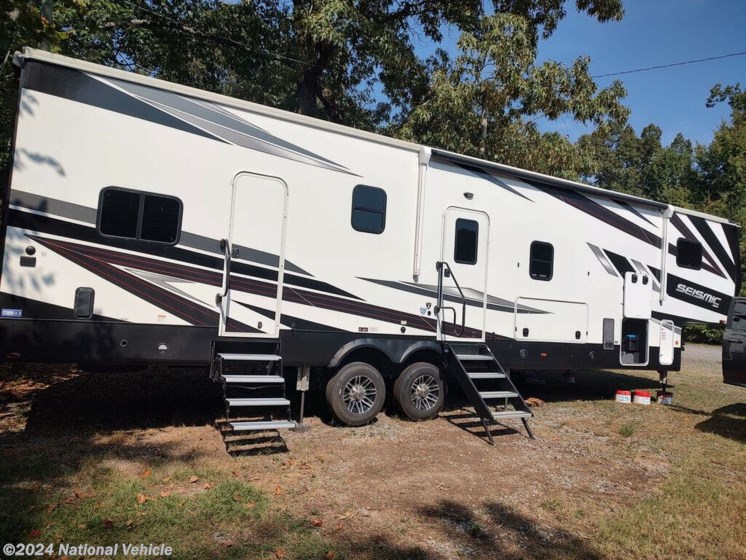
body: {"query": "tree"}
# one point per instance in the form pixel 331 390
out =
pixel 642 166
pixel 721 166
pixel 487 100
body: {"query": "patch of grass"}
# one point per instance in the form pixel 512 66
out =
pixel 218 516
pixel 670 524
pixel 551 504
pixel 627 430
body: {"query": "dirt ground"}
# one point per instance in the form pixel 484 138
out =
pixel 437 489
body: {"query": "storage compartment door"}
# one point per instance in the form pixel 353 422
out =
pixel 551 320
pixel 638 295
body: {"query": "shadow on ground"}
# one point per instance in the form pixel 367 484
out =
pixel 588 385
pixel 499 531
pixel 727 421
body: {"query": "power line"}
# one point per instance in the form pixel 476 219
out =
pixel 669 65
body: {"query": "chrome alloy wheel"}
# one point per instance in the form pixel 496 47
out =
pixel 425 392
pixel 359 394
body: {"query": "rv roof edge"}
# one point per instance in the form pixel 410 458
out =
pixel 549 180
pixel 710 217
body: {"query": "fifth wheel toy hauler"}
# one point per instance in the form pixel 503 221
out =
pixel 147 222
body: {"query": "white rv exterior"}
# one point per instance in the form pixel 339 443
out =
pixel 123 186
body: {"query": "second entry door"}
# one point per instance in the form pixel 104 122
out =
pixel 465 248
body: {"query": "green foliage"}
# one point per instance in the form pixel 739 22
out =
pixel 485 102
pixel 706 334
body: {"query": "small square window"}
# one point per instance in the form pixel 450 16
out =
pixel 368 209
pixel 120 211
pixel 541 263
pixel 689 254
pixel 467 240
pixel 160 219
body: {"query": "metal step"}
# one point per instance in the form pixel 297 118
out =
pixel 250 357
pixel 258 402
pixel 511 414
pixel 474 357
pixel 485 375
pixel 253 379
pixel 263 425
pixel 498 394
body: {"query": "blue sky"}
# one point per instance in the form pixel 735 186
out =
pixel 654 33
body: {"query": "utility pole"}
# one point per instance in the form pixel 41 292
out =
pixel 46 9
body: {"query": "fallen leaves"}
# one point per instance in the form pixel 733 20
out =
pixel 534 401
pixel 278 490
pixel 165 493
pixel 146 473
pixel 142 498
pixel 193 479
pixel 108 523
pixel 280 553
pixel 317 522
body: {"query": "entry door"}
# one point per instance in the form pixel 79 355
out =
pixel 254 257
pixel 465 248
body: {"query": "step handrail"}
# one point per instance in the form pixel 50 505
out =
pixel 444 268
pixel 225 246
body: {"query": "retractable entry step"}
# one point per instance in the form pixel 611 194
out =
pixel 486 385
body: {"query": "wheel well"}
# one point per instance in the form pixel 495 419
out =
pixel 428 355
pixel 373 356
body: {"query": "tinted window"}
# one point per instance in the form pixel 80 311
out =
pixel 368 209
pixel 160 219
pixel 689 254
pixel 541 265
pixel 138 215
pixel 119 213
pixel 467 239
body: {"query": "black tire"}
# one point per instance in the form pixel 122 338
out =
pixel 356 394
pixel 420 392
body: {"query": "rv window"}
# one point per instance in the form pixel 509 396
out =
pixel 689 254
pixel 467 239
pixel 541 264
pixel 160 219
pixel 138 215
pixel 368 209
pixel 119 212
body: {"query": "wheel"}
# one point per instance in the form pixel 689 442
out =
pixel 356 394
pixel 419 391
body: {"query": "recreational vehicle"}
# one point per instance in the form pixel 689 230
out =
pixel 151 223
